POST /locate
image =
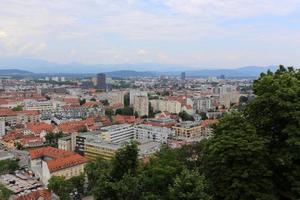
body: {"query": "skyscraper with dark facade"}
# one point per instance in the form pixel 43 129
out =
pixel 101 81
pixel 182 76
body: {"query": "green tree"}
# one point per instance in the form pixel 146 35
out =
pixel 235 162
pixel 8 165
pixel 189 185
pixel 275 114
pixel 126 188
pixel 19 146
pixel 60 186
pixel 136 114
pixel 17 108
pixel 185 116
pixel 125 161
pixel 203 115
pixel 94 170
pixel 151 112
pixel 83 129
pixel 125 111
pixel 82 101
pixel 52 139
pixel 77 183
pixel 4 193
pixel 105 102
pixel 159 174
pixel 126 100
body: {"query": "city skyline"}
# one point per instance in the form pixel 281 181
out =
pixel 194 34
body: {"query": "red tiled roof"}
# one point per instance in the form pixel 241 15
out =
pixel 36 195
pixel 31 139
pixel 71 100
pixel 74 126
pixel 62 163
pixel 208 122
pixel 91 103
pixel 121 119
pixel 14 135
pixel 7 112
pixel 39 127
pixel 29 112
pixel 50 152
pixel 61 159
pixel 115 106
pixel 189 107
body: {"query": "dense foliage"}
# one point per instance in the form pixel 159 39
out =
pixel 8 165
pixel 4 193
pixel 52 139
pixel 185 116
pixel 63 188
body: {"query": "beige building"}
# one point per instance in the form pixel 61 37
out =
pixel 141 105
pixel 166 105
pixel 48 161
pixel 188 129
pixel 65 143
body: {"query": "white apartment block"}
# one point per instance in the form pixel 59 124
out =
pixel 202 103
pixel 134 93
pixel 142 133
pixel 147 133
pixel 165 105
pixel 141 105
pixel 115 97
pixel 31 104
pixel 117 133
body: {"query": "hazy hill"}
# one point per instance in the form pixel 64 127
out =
pixel 14 72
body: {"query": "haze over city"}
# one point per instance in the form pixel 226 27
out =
pixel 190 34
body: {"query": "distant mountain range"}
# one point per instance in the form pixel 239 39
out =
pixel 36 66
pixel 10 72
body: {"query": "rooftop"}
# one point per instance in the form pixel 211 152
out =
pixel 61 159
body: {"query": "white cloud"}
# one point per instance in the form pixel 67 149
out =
pixel 233 8
pixel 85 30
pixel 142 52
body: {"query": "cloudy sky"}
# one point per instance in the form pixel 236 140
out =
pixel 195 33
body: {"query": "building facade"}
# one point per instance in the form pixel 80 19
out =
pixel 141 105
pixel 188 129
pixel 147 133
pixel 117 133
pixel 101 81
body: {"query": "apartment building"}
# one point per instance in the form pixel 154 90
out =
pixel 147 133
pixel 141 105
pixel 117 133
pixel 188 129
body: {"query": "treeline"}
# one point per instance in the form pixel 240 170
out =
pixel 254 154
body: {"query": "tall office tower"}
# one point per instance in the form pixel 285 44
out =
pixel 101 81
pixel 182 76
pixel 222 77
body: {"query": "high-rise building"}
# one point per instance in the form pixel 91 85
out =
pixel 141 105
pixel 101 81
pixel 182 76
pixel 134 93
pixel 222 77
